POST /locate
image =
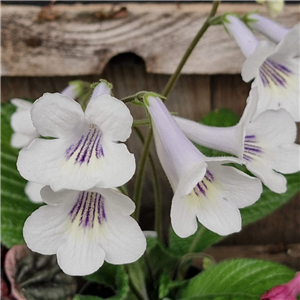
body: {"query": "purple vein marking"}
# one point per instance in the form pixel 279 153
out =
pixel 271 71
pixel 86 146
pixel 251 148
pixel 88 204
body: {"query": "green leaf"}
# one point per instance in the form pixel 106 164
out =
pixel 105 275
pixel 268 202
pixel 15 206
pixel 117 279
pixel 237 279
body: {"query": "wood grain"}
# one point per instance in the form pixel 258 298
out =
pixel 193 97
pixel 81 39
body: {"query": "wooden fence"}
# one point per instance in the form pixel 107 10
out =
pixel 44 49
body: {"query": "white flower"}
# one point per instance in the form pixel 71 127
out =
pixel 202 186
pixel 33 191
pixel 86 149
pixel 268 27
pixel 84 228
pixel 274 67
pixel 264 144
pixel 21 123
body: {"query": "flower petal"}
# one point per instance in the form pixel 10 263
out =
pixel 118 166
pixel 118 201
pixel 219 216
pixel 20 140
pixel 55 115
pixel 44 230
pixel 283 129
pixel 273 180
pixel 237 187
pixel 21 122
pixel 33 191
pixel 122 239
pixel 80 256
pixel 183 217
pixel 284 159
pixel 290 43
pixel 112 117
pixel 252 63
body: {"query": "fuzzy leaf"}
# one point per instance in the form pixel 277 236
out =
pixel 15 206
pixel 237 279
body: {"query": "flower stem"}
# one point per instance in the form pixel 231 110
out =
pixel 137 193
pixel 189 50
pixel 157 195
pixel 196 239
pixel 141 167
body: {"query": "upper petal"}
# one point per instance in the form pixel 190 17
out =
pixel 111 115
pixel 289 45
pixel 55 115
pixel 253 62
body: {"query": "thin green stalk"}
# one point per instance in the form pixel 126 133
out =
pixel 157 194
pixel 136 292
pixel 137 193
pixel 196 239
pixel 141 167
pixel 189 50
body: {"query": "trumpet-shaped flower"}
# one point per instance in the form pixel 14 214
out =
pixel 21 123
pixel 288 291
pixel 203 187
pixel 85 150
pixel 84 228
pixel 264 144
pixel 268 27
pixel 274 68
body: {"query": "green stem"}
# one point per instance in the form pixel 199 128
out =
pixel 133 288
pixel 196 239
pixel 189 50
pixel 157 194
pixel 137 193
pixel 140 171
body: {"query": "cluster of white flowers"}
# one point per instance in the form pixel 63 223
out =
pixel 86 220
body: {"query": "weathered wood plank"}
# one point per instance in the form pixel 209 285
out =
pixel 191 99
pixel 81 39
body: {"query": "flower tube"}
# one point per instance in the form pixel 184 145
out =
pixel 84 229
pixel 268 27
pixel 288 291
pixel 274 68
pixel 86 148
pixel 204 188
pixel 265 145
